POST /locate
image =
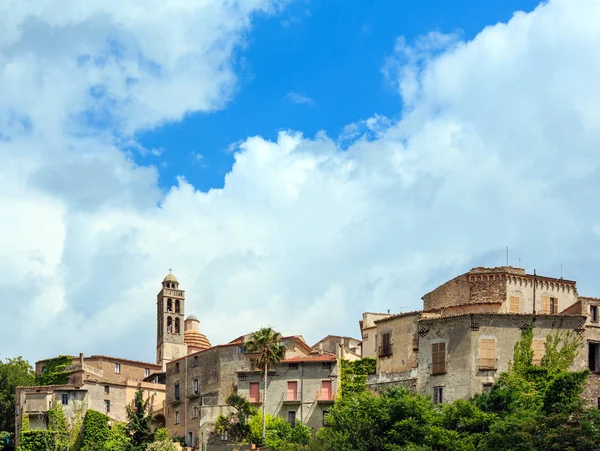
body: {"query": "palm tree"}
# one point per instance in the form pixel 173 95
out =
pixel 270 349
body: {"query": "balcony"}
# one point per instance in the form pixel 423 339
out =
pixel 291 399
pixel 487 364
pixel 254 399
pixel 325 397
pixel 174 293
pixel 193 394
pixel 385 350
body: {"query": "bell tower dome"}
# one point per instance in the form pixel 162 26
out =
pixel 170 303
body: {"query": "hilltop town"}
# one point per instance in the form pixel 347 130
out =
pixel 455 348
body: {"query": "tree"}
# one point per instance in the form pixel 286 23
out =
pixel 235 425
pixel 162 441
pixel 139 421
pixel 13 373
pixel 270 349
pixel 280 435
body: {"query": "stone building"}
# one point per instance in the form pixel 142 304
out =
pixel 344 347
pixel 464 338
pixel 301 387
pixel 105 384
pixel 368 330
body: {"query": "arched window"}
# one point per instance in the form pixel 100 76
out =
pixel 177 306
pixel 169 305
pixel 177 330
pixel 169 324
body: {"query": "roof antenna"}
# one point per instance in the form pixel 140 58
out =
pixel 506 255
pixel 561 271
pixel 519 262
pixel 388 311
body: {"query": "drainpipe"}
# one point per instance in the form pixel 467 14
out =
pixel 534 284
pixel 185 402
pixel 302 393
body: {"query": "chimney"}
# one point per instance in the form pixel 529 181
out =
pixel 321 348
pixel 81 359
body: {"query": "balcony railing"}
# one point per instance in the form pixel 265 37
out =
pixel 487 364
pixel 385 350
pixel 325 397
pixel 291 399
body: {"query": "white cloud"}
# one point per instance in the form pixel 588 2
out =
pixel 498 146
pixel 296 97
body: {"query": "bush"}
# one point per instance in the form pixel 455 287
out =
pixel 95 431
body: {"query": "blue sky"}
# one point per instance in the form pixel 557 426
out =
pixel 313 66
pixel 452 129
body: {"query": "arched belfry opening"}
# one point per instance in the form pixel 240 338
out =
pixel 177 306
pixel 177 326
pixel 169 325
pixel 169 305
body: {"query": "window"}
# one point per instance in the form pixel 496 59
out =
pixel 538 347
pixel 487 387
pixel 365 337
pixel 326 391
pixel 254 392
pixel 438 358
pixel 550 305
pixel 292 391
pixel 326 366
pixel 240 349
pixel 292 366
pixel 107 406
pixel 593 349
pixel 438 395
pixel 195 412
pixel 386 344
pixel 196 390
pixel 117 368
pixel 195 364
pixel 190 441
pixel 515 304
pixel 487 353
pixel 176 392
pixel 146 372
pixel 325 413
pixel 106 389
pixel 594 313
pixel 292 417
pixel 177 367
pixel 65 398
pixel 176 417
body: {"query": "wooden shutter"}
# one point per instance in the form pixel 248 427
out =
pixel 487 353
pixel 254 392
pixel 515 304
pixel 438 358
pixel 554 306
pixel 539 349
pixel 546 304
pixel 326 392
pixel 292 391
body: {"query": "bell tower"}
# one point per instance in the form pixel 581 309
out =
pixel 170 303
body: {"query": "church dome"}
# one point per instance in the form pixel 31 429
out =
pixel 170 278
pixel 194 339
pixel 192 318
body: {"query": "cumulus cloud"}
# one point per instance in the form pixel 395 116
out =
pixel 296 97
pixel 497 145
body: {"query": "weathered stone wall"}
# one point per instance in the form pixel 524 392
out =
pixel 453 292
pixel 463 378
pixel 406 379
pixel 309 409
pixel 523 287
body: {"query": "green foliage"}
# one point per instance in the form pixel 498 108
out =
pixel 13 373
pixel 280 435
pixel 37 440
pixel 162 434
pixel 95 431
pixel 139 421
pixel 353 378
pixel 25 424
pixel 118 438
pixel 561 350
pixel 236 423
pixel 54 371
pixel 165 444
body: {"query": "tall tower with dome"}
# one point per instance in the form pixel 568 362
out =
pixel 170 303
pixel 175 337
